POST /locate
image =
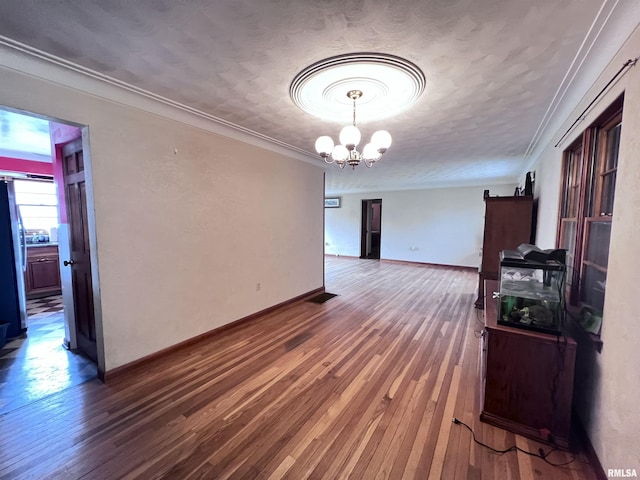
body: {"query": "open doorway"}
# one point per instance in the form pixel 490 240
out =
pixel 371 229
pixel 43 353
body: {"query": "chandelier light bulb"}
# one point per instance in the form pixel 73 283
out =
pixel 350 136
pixel 382 140
pixel 371 152
pixel 340 153
pixel 324 146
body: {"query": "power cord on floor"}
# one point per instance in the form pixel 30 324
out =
pixel 480 317
pixel 540 454
pixel 479 333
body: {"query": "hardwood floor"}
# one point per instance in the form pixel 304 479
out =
pixel 364 386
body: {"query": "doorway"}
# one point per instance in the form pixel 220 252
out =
pixel 371 229
pixel 52 353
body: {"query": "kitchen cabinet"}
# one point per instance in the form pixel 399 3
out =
pixel 42 276
pixel 526 379
pixel 507 224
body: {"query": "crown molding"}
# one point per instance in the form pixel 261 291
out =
pixel 37 63
pixel 427 186
pixel 611 28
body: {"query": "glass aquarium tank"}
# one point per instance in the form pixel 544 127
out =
pixel 531 293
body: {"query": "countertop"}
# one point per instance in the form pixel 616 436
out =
pixel 42 244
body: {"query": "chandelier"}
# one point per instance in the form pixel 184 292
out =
pixel 346 152
pixel 392 84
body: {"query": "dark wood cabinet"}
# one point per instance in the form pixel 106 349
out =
pixel 42 276
pixel 527 379
pixel 507 224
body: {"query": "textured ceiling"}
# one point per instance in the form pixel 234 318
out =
pixel 493 68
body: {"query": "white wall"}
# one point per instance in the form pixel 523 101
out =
pixel 441 226
pixel 608 384
pixel 187 221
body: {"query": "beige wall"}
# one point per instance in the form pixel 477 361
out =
pixel 187 222
pixel 608 384
pixel 443 225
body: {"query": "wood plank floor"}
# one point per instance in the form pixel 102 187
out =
pixel 363 386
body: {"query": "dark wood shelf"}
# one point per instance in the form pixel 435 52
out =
pixel 527 379
pixel 579 333
pixel 507 224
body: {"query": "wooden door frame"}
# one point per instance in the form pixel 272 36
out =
pixel 65 248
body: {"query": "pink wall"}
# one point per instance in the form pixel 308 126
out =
pixel 61 134
pixel 20 165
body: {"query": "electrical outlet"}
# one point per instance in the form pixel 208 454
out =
pixel 258 287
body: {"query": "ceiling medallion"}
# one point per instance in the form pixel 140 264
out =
pixel 383 85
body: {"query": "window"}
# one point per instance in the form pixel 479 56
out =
pixel 586 212
pixel 569 207
pixel 38 205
